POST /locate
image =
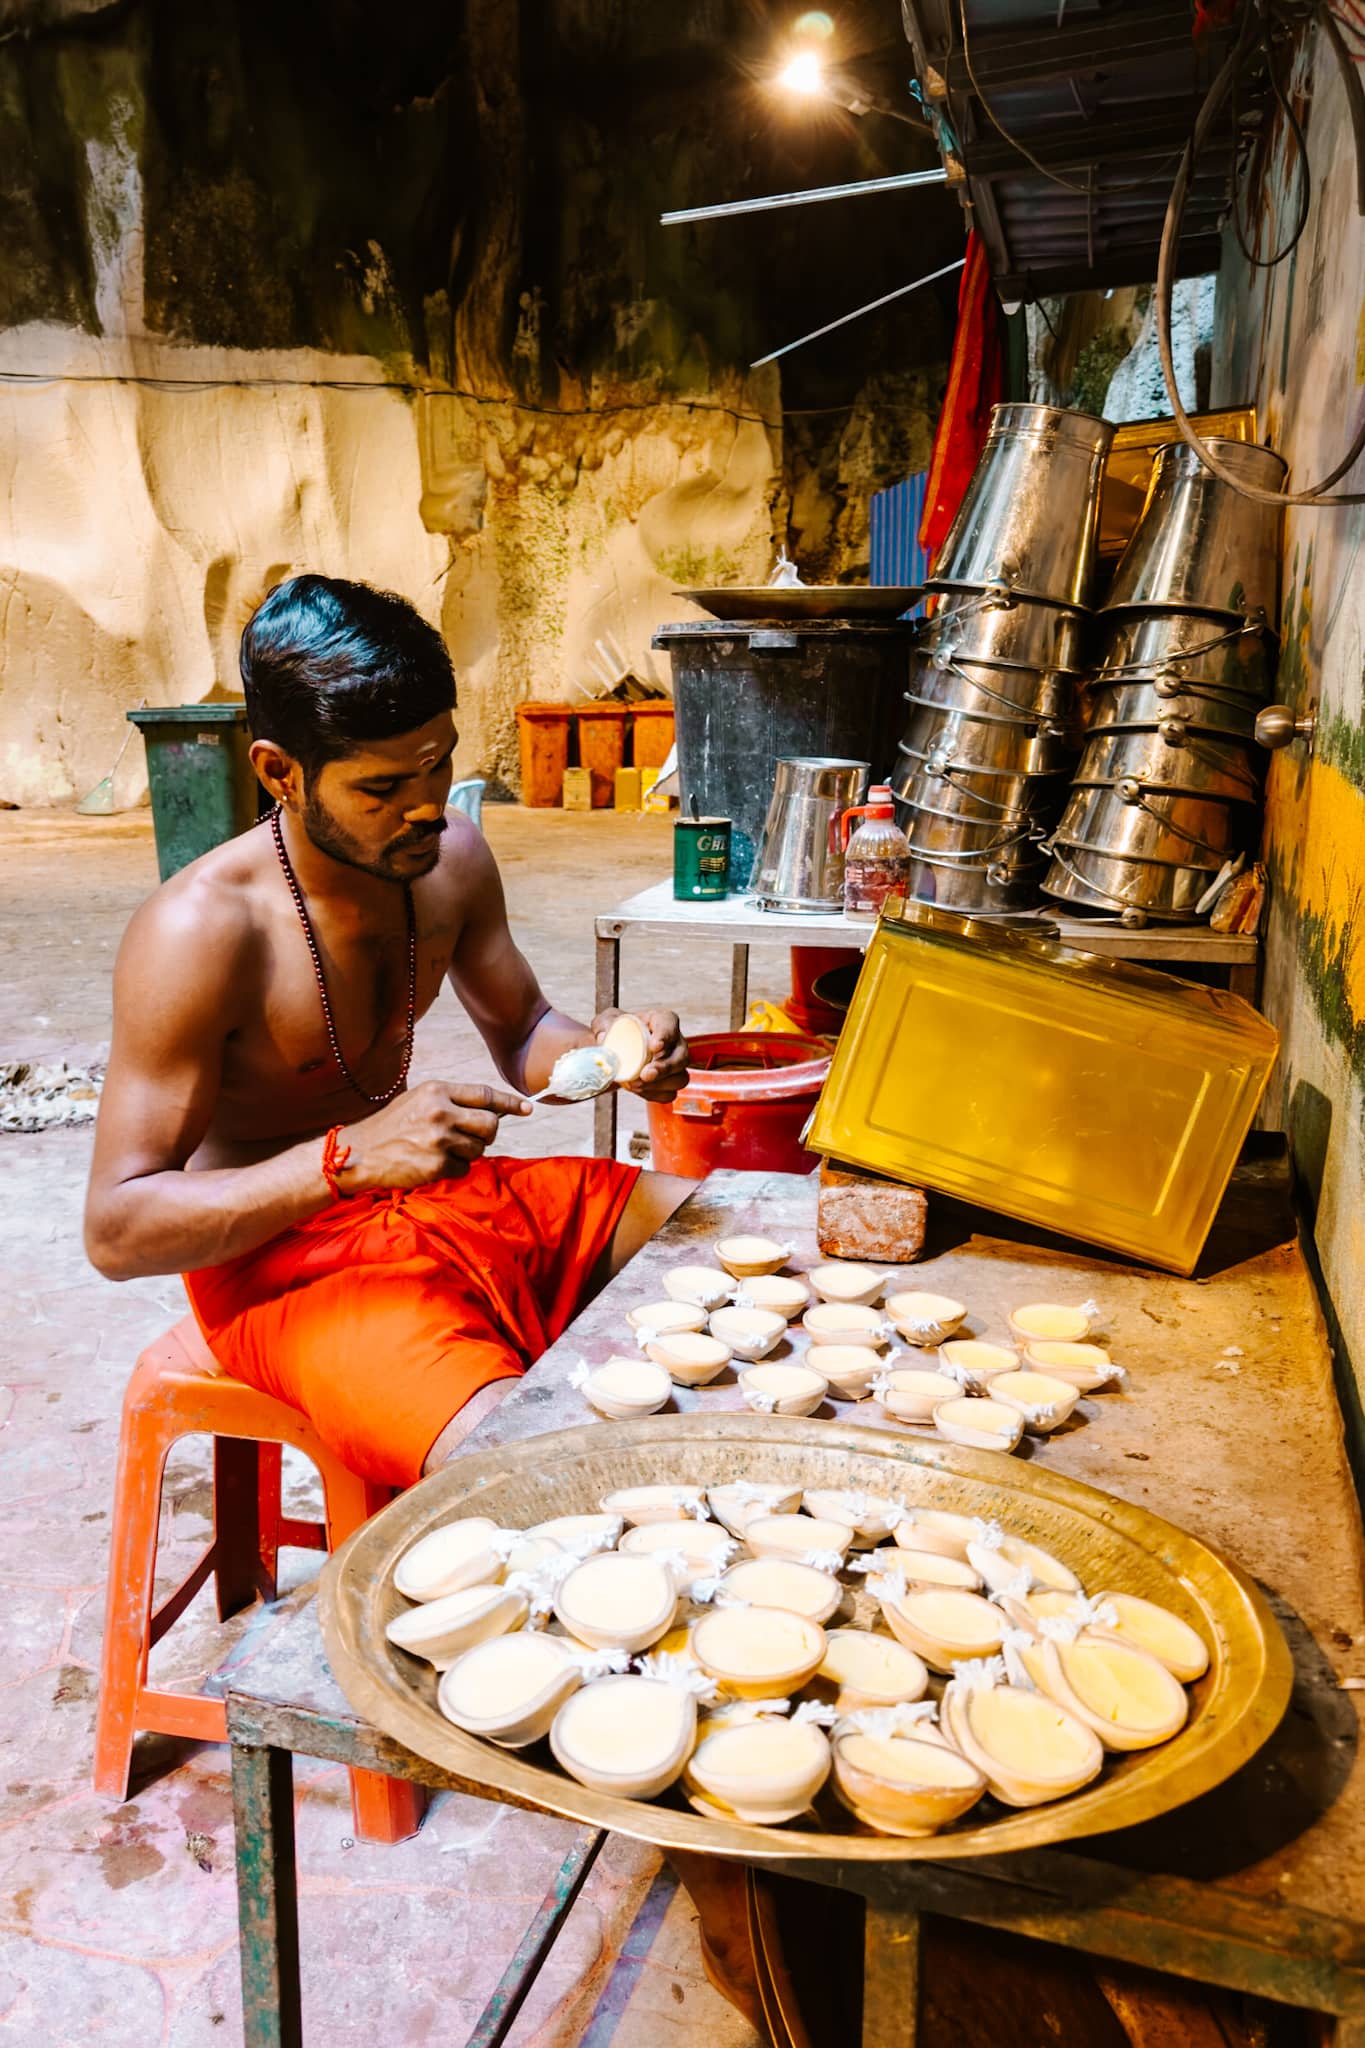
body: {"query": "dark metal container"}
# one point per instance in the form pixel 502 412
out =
pixel 745 696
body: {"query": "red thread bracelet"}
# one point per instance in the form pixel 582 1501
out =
pixel 336 1157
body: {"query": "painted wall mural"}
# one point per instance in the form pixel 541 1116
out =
pixel 1292 337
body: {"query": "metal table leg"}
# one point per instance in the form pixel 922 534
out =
pixel 606 996
pixel 499 2015
pixel 739 987
pixel 891 1939
pixel 267 1896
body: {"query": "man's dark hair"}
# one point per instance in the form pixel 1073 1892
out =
pixel 327 665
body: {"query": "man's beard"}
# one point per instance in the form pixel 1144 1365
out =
pixel 330 838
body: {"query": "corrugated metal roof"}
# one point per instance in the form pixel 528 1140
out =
pixel 1102 95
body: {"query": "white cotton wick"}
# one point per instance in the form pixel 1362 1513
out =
pixel 884 1721
pixel 979 1674
pixel 579 1375
pixel 704 1591
pixel 1020 1586
pixel 1093 1313
pixel 599 1663
pixel 764 1403
pixel 738 1713
pixel 823 1560
pixel 951 1370
pixel 668 1667
pixel 691 1505
pixel 752 1493
pixel 1042 1412
pixel 1094 1613
pixel 989 1535
pixel 815 1713
pixel 887 1586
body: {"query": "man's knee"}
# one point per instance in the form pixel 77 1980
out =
pixel 476 1410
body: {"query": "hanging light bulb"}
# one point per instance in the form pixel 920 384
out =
pixel 803 74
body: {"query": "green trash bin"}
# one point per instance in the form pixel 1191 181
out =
pixel 202 782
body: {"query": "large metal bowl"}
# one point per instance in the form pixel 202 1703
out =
pixel 1000 888
pixel 992 692
pixel 1200 545
pixel 1131 706
pixel 995 746
pixel 1110 1543
pixel 939 836
pixel 974 792
pixel 1161 758
pixel 1180 647
pixel 1030 514
pixel 1132 890
pixel 1008 632
pixel 1174 830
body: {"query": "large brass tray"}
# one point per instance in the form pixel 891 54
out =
pixel 1112 1545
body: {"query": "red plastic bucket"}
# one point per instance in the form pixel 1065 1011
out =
pixel 745 1105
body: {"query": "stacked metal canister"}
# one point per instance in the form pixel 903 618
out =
pixel 985 763
pixel 1168 787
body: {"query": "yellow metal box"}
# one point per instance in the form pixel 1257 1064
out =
pixel 1086 1095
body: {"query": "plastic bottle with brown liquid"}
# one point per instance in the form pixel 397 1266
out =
pixel 876 856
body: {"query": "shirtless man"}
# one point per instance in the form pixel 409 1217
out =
pixel 347 1244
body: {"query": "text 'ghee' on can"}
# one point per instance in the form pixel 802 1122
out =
pixel 701 858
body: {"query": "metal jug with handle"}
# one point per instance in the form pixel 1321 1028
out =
pixel 800 865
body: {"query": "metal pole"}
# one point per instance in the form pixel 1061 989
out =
pixel 904 181
pixel 857 313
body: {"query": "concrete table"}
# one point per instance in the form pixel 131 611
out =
pixel 1229 1425
pixel 735 921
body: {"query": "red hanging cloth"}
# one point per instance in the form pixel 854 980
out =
pixel 976 382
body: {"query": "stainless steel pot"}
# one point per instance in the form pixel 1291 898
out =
pixel 1199 545
pixel 993 890
pixel 1047 696
pixel 1005 631
pixel 1175 831
pixel 1159 759
pixel 800 865
pixel 1177 651
pixel 956 739
pixel 939 836
pixel 1030 514
pixel 1128 707
pixel 961 793
pixel 1130 890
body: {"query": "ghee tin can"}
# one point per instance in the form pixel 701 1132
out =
pixel 701 859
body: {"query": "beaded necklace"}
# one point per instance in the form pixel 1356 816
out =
pixel 375 1101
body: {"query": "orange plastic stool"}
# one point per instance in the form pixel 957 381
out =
pixel 178 1389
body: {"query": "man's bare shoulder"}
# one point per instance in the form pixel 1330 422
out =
pixel 207 917
pixel 466 871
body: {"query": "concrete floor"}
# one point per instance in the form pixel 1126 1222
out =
pixel 118 1924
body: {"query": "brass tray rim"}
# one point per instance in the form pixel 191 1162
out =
pixel 1244 1708
pixel 774 603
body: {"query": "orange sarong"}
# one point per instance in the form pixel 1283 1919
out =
pixel 381 1316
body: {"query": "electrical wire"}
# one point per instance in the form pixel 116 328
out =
pixel 1251 44
pixel 38 378
pixel 1304 178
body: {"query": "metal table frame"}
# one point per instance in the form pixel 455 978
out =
pixel 1255 1888
pixel 735 922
